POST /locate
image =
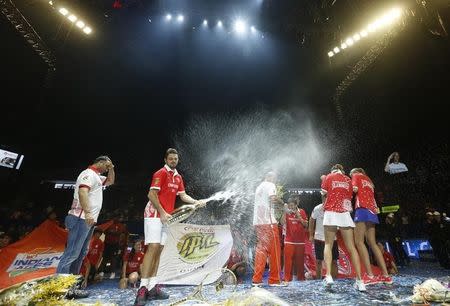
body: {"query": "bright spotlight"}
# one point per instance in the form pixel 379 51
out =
pixel 87 30
pixel 363 33
pixel 336 50
pixel 180 18
pixel 253 29
pixel 219 24
pixel 205 22
pixel 356 37
pixel 396 12
pixel 168 17
pixel 73 18
pixel 343 46
pixel 80 24
pixel 240 27
pixel 50 2
pixel 349 41
pixel 330 54
pixel 63 11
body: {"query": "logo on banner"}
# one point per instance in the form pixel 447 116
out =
pixel 39 258
pixel 196 247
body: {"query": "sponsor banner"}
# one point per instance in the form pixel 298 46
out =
pixel 8 159
pixel 389 209
pixel 35 256
pixel 192 251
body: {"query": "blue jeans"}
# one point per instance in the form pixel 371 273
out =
pixel 77 245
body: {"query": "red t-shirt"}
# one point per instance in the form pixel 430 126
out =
pixel 388 259
pixel 169 184
pixel 365 196
pixel 295 232
pixel 112 233
pixel 338 188
pixel 96 247
pixel 234 258
pixel 134 263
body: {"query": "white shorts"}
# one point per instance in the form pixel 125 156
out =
pixel 332 218
pixel 154 231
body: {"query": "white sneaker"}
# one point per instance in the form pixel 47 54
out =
pixel 359 285
pixel 113 275
pixel 328 281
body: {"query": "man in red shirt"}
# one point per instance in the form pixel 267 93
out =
pixel 295 220
pixel 93 258
pixel 166 184
pixel 337 187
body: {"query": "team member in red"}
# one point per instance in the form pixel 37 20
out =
pixel 338 203
pixel 166 184
pixel 366 211
pixel 132 264
pixel 93 258
pixel 388 259
pixel 295 221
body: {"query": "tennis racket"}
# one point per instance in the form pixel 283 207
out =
pixel 217 284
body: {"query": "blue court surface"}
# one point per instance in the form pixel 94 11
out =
pixel 309 292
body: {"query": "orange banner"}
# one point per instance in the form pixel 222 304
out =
pixel 35 256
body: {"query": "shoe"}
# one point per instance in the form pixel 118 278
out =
pixel 112 275
pixel 141 296
pixel 77 294
pixel 157 294
pixel 328 281
pixel 370 280
pixel 257 284
pixel 359 285
pixel 385 279
pixel 280 284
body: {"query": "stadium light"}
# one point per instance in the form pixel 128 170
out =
pixel 388 18
pixel 168 17
pixel 240 27
pixel 180 18
pixel 336 50
pixel 253 29
pixel 50 2
pixel 219 23
pixel 205 23
pixel 72 18
pixel 63 11
pixel 330 54
pixel 87 30
pixel 80 24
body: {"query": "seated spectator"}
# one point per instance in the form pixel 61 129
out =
pixel 388 259
pixel 5 240
pixel 132 263
pixel 93 259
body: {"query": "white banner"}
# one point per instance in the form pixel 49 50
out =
pixel 25 262
pixel 191 251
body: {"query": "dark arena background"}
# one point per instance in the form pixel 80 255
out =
pixel 239 88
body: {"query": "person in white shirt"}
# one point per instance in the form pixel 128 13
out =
pixel 395 166
pixel 316 235
pixel 83 214
pixel 267 233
